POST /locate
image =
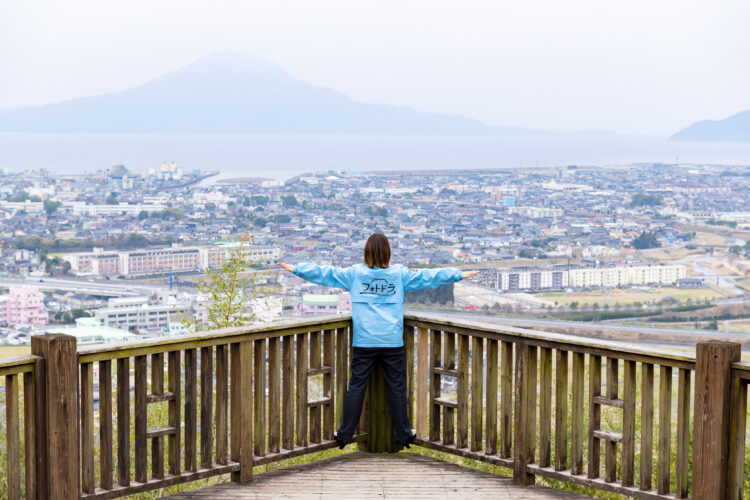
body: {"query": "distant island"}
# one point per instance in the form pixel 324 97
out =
pixel 235 93
pixel 735 128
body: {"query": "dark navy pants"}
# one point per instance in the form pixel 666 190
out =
pixel 392 362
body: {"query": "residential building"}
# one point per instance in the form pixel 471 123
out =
pixel 23 304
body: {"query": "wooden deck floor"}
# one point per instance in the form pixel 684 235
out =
pixel 363 476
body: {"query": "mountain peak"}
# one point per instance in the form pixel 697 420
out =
pixel 234 92
pixel 735 128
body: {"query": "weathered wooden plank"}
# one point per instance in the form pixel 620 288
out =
pixel 207 410
pixel 287 400
pixel 554 340
pixel 576 415
pixel 241 428
pixel 141 420
pixel 449 413
pixel 477 391
pixel 524 413
pixel 87 428
pixel 610 445
pixel 342 368
pixel 222 404
pixel 131 348
pixel 506 399
pixel 259 398
pixel 490 446
pixel 57 400
pixel 29 437
pixel 157 443
pixel 561 410
pixel 174 409
pixel 462 389
pixel 315 413
pixel 683 432
pixel 665 430
pixel 191 410
pixel 647 425
pixel 12 438
pixel 409 353
pixel 423 375
pixel 105 424
pixel 595 415
pixel 737 430
pixel 435 360
pixel 302 363
pixel 545 406
pixel 628 424
pixel 329 408
pixel 123 421
pixel 274 394
pixel 711 430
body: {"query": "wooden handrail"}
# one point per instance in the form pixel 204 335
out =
pixel 238 397
pixel 569 343
pixel 115 350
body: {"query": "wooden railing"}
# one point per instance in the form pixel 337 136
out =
pixel 176 410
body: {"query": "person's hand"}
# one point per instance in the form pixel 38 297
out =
pixel 287 267
pixel 469 274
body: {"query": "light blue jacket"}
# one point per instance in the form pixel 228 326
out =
pixel 377 296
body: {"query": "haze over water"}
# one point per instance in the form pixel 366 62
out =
pixel 283 156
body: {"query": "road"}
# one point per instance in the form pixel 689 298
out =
pixel 93 287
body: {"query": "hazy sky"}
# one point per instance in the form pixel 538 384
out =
pixel 644 66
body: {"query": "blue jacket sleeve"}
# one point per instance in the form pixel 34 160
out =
pixel 339 277
pixel 418 279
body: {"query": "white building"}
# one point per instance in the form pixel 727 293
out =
pixel 625 276
pixel 536 212
pixel 561 277
pixel 532 279
pixel 122 208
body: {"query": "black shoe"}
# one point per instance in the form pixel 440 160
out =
pixel 339 442
pixel 410 440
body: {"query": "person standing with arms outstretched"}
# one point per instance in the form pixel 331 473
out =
pixel 377 291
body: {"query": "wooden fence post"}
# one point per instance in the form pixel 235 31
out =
pixel 58 388
pixel 713 377
pixel 524 439
pixel 381 438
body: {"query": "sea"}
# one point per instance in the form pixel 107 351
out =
pixel 285 156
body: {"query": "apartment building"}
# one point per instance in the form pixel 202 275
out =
pixel 625 276
pixel 140 315
pixel 23 304
pixel 154 261
pixel 530 279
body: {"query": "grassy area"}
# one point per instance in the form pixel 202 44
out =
pixel 621 297
pixel 9 351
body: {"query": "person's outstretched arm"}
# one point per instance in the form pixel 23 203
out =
pixel 417 279
pixel 339 277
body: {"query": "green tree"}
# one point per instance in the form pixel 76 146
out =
pixel 111 199
pixel 51 207
pixel 289 201
pixel 645 240
pixel 645 200
pixel 230 289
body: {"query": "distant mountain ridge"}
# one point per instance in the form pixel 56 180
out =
pixel 735 128
pixel 234 93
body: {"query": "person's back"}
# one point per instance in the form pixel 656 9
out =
pixel 377 295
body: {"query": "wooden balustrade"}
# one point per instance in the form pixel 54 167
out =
pixel 175 410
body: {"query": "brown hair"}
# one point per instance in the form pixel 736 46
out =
pixel 377 251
